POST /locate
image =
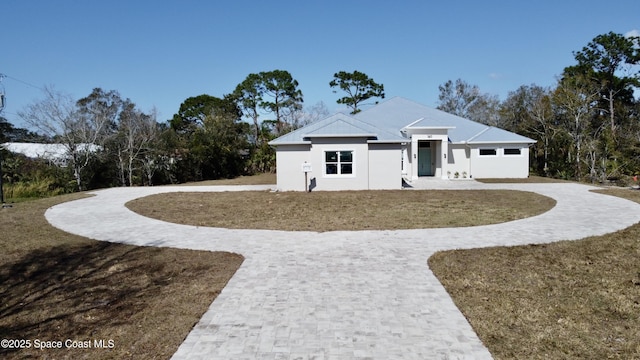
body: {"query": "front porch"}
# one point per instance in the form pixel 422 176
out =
pixel 426 154
pixel 425 159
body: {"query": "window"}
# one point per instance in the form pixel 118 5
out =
pixel 513 151
pixel 338 162
pixel 488 152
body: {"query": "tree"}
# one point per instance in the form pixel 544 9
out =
pixel 202 146
pixel 528 110
pixel 248 95
pixel 219 146
pixel 122 135
pixel 194 110
pixel 486 110
pixel 284 97
pixel 102 108
pixel 58 117
pixel 268 92
pixel 6 130
pixel 466 100
pixel 314 113
pixel 457 99
pixel 358 86
pixel 137 131
pixel 10 133
pixel 575 100
pixel 156 155
pixel 607 60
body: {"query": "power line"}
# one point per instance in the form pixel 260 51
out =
pixel 20 81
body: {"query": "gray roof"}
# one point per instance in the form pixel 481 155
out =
pixel 338 125
pixel 385 121
pixel 496 135
pixel 398 113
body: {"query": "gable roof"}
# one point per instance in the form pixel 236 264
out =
pixel 399 113
pixel 338 125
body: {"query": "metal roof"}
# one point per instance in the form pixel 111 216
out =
pixel 338 125
pixel 496 135
pixel 385 121
pixel 399 113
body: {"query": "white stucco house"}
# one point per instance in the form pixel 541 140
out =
pixel 395 140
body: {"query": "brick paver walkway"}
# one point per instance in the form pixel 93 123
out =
pixel 339 295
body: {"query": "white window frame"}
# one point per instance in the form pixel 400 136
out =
pixel 338 163
pixel 495 150
pixel 504 151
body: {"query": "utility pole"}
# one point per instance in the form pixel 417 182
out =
pixel 2 104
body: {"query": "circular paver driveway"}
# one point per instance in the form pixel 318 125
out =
pixel 344 294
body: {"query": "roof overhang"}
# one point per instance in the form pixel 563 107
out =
pixel 497 142
pixel 271 143
pixel 364 135
pixel 387 142
pixel 429 127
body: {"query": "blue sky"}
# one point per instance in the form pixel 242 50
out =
pixel 158 53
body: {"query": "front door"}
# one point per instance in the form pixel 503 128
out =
pixel 424 159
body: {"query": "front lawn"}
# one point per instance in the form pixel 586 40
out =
pixel 57 287
pixel 566 300
pixel 343 210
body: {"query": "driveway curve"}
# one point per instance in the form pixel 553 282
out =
pixel 343 294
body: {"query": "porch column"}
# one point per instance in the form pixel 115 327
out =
pixel 444 156
pixel 413 158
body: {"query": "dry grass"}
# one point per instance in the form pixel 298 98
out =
pixel 259 179
pixel 344 210
pixel 567 300
pixel 55 286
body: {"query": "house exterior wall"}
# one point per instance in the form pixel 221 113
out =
pixel 375 166
pixel 502 164
pixel 409 161
pixel 289 174
pixel 385 166
pixel 458 161
pixel 356 181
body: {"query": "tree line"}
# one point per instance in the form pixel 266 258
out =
pixel 111 142
pixel 586 126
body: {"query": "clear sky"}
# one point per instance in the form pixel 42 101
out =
pixel 158 53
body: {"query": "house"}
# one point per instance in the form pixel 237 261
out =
pixel 395 140
pixel 57 154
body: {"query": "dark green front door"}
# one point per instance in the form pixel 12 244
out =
pixel 424 159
